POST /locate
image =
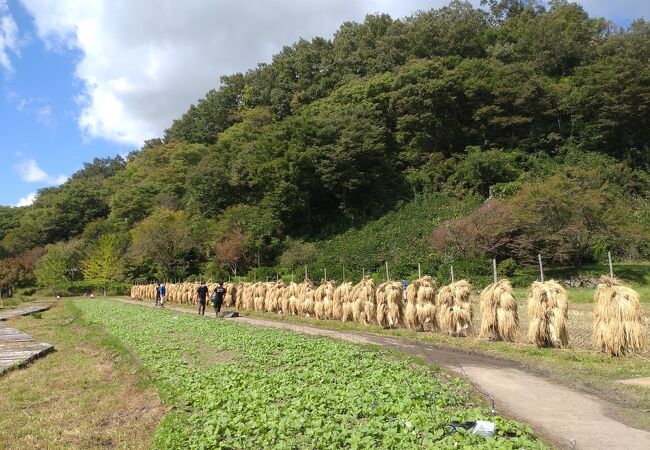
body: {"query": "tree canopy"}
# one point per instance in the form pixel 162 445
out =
pixel 543 110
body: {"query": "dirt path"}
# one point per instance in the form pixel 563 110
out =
pixel 557 413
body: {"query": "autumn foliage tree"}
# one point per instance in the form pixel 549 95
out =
pixel 570 218
pixel 231 251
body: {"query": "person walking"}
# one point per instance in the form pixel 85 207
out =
pixel 157 294
pixel 202 295
pixel 163 292
pixel 217 297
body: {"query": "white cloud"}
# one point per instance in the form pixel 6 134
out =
pixel 44 115
pixel 30 172
pixel 27 200
pixel 8 36
pixel 144 62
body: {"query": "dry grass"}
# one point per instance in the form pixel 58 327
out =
pixel 86 394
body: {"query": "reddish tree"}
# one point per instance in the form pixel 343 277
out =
pixel 232 250
pixel 488 231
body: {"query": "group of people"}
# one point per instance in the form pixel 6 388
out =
pixel 201 294
pixel 217 297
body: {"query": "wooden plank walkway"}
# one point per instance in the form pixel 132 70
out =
pixel 24 309
pixel 17 349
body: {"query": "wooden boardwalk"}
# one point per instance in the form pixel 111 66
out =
pixel 18 349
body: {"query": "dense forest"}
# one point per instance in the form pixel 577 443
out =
pixel 451 136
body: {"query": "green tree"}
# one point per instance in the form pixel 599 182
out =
pixel 53 270
pixel 164 239
pixel 102 263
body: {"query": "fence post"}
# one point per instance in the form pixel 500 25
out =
pixel 609 260
pixel 494 269
pixel 419 271
pixel 452 274
pixel 541 267
pixel 387 278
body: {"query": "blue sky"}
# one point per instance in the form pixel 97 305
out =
pixel 81 79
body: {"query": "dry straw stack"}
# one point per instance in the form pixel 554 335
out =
pixel 272 301
pixel 426 303
pixel 499 317
pixel 305 304
pixel 420 308
pixel 455 308
pixel 289 299
pixel 231 292
pixel 548 312
pixel 342 305
pixel 411 319
pixel 390 305
pixel 362 298
pixel 323 299
pixel 618 326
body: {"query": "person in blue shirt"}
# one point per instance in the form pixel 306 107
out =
pixel 163 291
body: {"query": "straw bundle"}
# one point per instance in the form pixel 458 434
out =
pixel 323 298
pixel 289 298
pixel 426 303
pixel 499 317
pixel 231 292
pixel 273 297
pixel 618 326
pixel 249 297
pixel 548 312
pixel 305 304
pixel 389 304
pixel 411 319
pixel 455 308
pixel 362 297
pixel 340 299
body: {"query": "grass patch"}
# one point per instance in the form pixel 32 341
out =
pixel 91 392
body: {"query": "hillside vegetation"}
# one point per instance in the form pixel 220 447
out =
pixel 449 137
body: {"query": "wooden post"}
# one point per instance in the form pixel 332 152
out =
pixel 419 271
pixel 343 274
pixel 452 274
pixel 494 269
pixel 386 270
pixel 325 270
pixel 611 268
pixel 363 272
pixel 305 272
pixel 541 267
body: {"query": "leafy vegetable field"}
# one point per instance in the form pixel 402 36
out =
pixel 228 385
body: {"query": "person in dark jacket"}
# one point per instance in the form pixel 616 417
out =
pixel 217 297
pixel 202 295
pixel 157 294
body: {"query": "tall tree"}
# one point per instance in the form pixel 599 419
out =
pixel 102 264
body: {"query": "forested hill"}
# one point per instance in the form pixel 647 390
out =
pixel 381 144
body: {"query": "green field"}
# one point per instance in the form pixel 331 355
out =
pixel 233 386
